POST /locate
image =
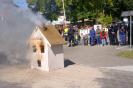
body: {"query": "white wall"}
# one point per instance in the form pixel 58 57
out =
pixel 56 57
pixel 44 60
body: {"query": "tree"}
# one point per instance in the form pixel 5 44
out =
pixel 51 10
pixel 32 2
pixel 83 9
pixel 41 5
pixel 47 7
pixel 105 19
pixel 128 4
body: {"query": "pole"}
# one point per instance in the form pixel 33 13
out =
pixel 130 32
pixel 64 12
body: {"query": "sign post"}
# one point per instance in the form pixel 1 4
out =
pixel 130 32
pixel 64 12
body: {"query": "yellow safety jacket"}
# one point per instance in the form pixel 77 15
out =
pixel 66 31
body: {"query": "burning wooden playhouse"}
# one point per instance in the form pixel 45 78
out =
pixel 46 49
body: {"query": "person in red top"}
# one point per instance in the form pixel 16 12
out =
pixel 103 37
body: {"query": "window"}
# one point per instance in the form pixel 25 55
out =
pixel 38 46
pixel 39 63
pixel 34 48
pixel 42 48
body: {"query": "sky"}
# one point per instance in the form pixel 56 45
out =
pixel 21 3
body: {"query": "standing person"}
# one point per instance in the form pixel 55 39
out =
pixel 122 35
pixel 92 36
pixel 98 31
pixel 71 36
pixel 76 35
pixel 66 33
pixel 79 38
pixel 81 32
pixel 88 34
pixel 107 36
pixel 113 30
pixel 76 38
pixel 103 37
pixel 110 35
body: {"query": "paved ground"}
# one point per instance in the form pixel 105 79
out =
pixel 74 76
pixel 117 71
pixel 86 67
pixel 97 56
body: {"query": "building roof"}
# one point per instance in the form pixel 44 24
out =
pixel 127 13
pixel 52 35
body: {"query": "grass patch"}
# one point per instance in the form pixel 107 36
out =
pixel 126 54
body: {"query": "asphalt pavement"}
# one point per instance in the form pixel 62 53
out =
pixel 97 56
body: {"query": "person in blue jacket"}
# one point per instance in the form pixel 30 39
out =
pixel 122 35
pixel 92 36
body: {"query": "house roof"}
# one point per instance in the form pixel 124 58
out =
pixel 127 13
pixel 52 35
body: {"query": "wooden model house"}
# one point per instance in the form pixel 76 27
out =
pixel 46 49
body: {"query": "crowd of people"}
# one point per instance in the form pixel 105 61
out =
pixel 88 35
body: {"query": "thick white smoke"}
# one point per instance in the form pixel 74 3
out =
pixel 16 26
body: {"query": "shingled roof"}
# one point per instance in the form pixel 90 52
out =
pixel 52 35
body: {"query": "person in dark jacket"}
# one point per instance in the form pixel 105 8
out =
pixel 110 35
pixel 113 34
pixel 71 36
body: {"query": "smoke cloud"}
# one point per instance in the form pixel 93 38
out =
pixel 16 26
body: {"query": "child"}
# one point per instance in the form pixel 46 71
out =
pixel 103 37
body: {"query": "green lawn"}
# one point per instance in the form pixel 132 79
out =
pixel 126 54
